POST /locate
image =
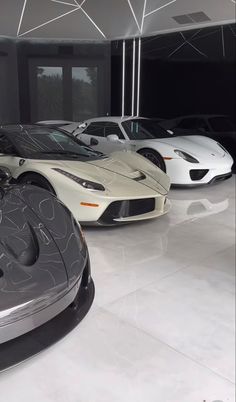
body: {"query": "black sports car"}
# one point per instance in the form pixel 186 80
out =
pixel 45 281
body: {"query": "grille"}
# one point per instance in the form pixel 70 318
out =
pixel 125 209
pixel 198 174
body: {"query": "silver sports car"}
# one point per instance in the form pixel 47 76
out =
pixel 45 281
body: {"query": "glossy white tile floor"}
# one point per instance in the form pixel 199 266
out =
pixel 162 325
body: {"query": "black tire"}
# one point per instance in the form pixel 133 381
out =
pixel 153 157
pixel 36 180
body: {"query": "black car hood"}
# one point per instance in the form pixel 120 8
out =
pixel 38 251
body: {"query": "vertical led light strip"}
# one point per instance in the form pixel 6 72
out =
pixel 139 73
pixel 123 80
pixel 133 75
pixel 223 40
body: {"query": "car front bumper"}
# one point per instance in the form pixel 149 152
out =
pixel 77 302
pixel 189 174
pixel 118 211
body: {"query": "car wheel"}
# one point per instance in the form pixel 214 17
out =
pixel 153 157
pixel 37 180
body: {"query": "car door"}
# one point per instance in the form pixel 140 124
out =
pixel 8 155
pixel 96 135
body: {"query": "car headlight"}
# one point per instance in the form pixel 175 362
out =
pixel 221 146
pixel 185 156
pixel 89 185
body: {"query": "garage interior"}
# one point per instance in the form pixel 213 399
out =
pixel 162 325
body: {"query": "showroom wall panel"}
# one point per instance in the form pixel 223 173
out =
pixel 63 80
pixel 186 72
pixel 9 105
pixel 53 80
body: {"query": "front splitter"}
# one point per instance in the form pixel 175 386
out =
pixel 34 342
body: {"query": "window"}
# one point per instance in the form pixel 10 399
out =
pixel 62 89
pixel 84 92
pixel 193 123
pixel 6 146
pixel 49 93
pixel 144 129
pixel 113 128
pixel 221 124
pixel 96 129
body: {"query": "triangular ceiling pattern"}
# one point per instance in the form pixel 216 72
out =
pixel 137 7
pixel 78 27
pixel 107 19
pixel 35 16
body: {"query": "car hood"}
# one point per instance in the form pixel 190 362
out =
pixel 113 172
pixel 197 145
pixel 39 258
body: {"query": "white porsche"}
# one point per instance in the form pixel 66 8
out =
pixel 96 188
pixel 188 160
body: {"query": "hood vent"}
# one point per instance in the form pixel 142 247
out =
pixel 191 18
pixel 141 177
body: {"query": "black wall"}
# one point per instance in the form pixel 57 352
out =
pixel 182 73
pixel 172 89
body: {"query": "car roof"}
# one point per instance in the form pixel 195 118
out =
pixel 115 119
pixel 201 116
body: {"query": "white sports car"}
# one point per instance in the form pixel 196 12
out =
pixel 96 188
pixel 187 160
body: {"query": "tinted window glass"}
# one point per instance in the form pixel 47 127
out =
pixel 143 129
pixel 50 93
pixel 193 123
pixel 6 146
pixel 221 124
pixel 96 129
pixel 113 128
pixel 47 143
pixel 84 92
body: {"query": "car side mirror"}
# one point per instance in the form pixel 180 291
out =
pixel 113 137
pixel 5 176
pixel 93 141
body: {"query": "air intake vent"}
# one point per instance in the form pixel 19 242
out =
pixel 191 18
pixel 199 17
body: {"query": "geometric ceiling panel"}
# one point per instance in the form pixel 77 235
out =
pixel 162 20
pixel 73 2
pixel 10 12
pixel 34 13
pixel 138 9
pixel 78 27
pixel 153 5
pixel 108 19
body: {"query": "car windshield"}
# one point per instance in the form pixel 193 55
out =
pixel 144 129
pixel 48 143
pixel 221 124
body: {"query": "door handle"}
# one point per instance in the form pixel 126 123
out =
pixel 94 141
